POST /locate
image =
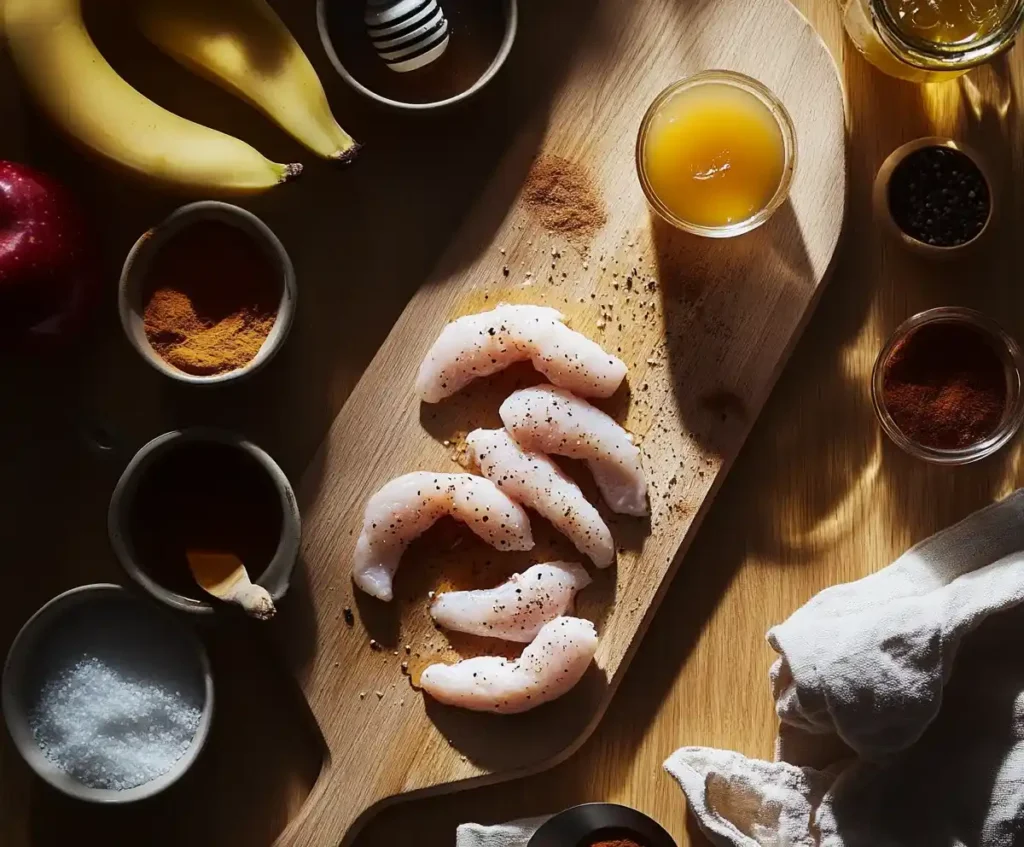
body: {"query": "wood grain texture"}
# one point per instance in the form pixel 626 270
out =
pixel 814 498
pixel 703 326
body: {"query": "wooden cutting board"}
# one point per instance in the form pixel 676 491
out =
pixel 704 326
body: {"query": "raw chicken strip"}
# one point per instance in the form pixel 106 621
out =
pixel 516 610
pixel 485 343
pixel 535 481
pixel 408 505
pixel 545 419
pixel 548 668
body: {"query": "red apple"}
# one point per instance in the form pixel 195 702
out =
pixel 48 274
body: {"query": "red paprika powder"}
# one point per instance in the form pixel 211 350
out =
pixel 945 385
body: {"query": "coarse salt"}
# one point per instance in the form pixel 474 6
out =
pixel 109 729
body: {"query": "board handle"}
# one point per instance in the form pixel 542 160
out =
pixel 329 817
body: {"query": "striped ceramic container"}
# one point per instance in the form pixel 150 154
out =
pixel 407 34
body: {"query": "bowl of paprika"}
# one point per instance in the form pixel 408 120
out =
pixel 947 386
pixel 601 825
pixel 208 295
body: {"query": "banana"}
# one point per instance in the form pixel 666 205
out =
pixel 82 93
pixel 244 46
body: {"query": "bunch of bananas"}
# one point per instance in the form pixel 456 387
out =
pixel 225 40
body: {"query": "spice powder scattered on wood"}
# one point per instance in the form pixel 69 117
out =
pixel 562 195
pixel 211 299
pixel 945 386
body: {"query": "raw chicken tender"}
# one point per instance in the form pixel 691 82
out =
pixel 516 610
pixel 535 481
pixel 546 419
pixel 408 505
pixel 485 343
pixel 548 668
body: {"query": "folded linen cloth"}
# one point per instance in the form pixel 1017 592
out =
pixel 934 752
pixel 512 834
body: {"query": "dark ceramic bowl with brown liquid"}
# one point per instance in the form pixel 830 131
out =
pixel 482 33
pixel 203 489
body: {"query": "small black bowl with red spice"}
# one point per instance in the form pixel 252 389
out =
pixel 947 386
pixel 601 825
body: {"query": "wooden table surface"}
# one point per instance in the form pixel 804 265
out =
pixel 816 496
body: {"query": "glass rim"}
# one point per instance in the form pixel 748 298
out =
pixel 786 127
pixel 936 56
pixel 1013 363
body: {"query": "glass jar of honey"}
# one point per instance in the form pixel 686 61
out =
pixel 931 40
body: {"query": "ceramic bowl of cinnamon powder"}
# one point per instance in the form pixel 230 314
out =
pixel 208 295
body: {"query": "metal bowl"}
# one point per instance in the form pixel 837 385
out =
pixel 130 632
pixel 582 825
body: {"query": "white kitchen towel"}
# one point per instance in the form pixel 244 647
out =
pixel 932 725
pixel 512 834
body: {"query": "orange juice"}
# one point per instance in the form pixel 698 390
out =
pixel 714 154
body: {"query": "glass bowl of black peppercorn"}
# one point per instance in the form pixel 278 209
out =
pixel 935 196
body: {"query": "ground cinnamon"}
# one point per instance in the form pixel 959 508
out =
pixel 210 299
pixel 616 842
pixel 945 386
pixel 562 195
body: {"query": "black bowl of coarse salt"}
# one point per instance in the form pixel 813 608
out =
pixel 936 196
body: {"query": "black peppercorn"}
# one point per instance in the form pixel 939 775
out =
pixel 939 196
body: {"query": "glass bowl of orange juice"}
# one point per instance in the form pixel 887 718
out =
pixel 716 154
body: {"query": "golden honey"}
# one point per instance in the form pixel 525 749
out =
pixel 931 40
pixel 713 154
pixel 947 21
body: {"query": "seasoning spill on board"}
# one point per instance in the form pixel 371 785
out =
pixel 110 729
pixel 211 298
pixel 939 196
pixel 203 496
pixel 562 194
